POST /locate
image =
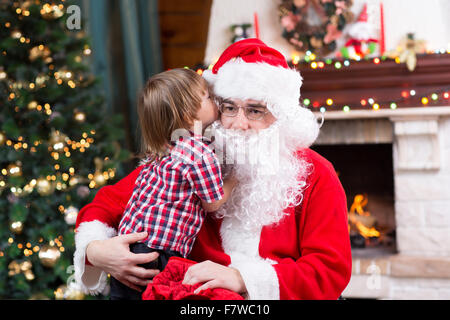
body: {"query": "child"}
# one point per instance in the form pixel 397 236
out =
pixel 181 179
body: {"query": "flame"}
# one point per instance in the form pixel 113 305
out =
pixel 357 210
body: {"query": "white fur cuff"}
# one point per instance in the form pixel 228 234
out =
pixel 90 279
pixel 260 278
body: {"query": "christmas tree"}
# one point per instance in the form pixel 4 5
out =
pixel 57 146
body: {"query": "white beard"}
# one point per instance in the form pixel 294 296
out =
pixel 271 177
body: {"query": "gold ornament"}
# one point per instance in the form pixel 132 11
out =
pixel 14 169
pixel 2 184
pixel 70 215
pixel 49 255
pixel 16 34
pixel 58 140
pixel 59 292
pixel 16 227
pixel 99 179
pixel 70 292
pixel 3 74
pixel 23 267
pixel 32 105
pixel 40 51
pixel 44 187
pixel 79 116
pixel 41 79
pixel 2 138
pixel 51 12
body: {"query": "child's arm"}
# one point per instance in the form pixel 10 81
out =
pixel 228 185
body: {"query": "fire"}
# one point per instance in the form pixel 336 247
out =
pixel 362 220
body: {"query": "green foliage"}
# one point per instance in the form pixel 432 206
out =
pixel 45 83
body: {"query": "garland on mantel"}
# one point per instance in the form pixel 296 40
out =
pixel 435 97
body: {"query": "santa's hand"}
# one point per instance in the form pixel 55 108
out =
pixel 114 257
pixel 214 275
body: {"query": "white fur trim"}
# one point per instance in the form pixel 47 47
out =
pixel 242 246
pixel 260 279
pixel 277 86
pixel 90 279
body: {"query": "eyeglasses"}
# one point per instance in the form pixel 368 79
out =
pixel 251 111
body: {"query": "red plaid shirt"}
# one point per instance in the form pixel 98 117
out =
pixel 166 197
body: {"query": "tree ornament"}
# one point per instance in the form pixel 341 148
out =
pixel 32 105
pixel 49 256
pixel 83 191
pixel 79 116
pixel 16 34
pixel 3 74
pixel 52 12
pixel 14 169
pixel 58 140
pixel 44 187
pixel 2 184
pixel 98 178
pixel 68 292
pixel 2 138
pixel 23 267
pixel 70 215
pixel 314 25
pixel 16 227
pixel 40 51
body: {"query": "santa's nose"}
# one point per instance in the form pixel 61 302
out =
pixel 240 121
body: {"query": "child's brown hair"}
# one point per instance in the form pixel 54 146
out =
pixel 169 101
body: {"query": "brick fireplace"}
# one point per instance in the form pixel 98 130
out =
pixel 418 265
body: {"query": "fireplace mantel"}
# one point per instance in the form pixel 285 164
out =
pixel 384 82
pixel 411 113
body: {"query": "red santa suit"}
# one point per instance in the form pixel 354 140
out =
pixel 303 255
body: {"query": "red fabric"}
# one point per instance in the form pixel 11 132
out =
pixel 167 285
pixel 251 51
pixel 311 246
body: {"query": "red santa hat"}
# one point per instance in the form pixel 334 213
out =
pixel 249 69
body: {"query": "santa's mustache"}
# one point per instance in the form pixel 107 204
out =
pixel 246 147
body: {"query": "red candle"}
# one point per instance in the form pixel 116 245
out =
pixel 256 25
pixel 382 44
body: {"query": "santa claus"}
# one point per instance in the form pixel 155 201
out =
pixel 283 233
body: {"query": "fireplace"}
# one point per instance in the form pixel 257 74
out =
pixel 398 162
pixel 367 175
